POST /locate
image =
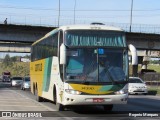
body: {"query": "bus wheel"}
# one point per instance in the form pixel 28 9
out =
pixel 108 107
pixel 59 107
pixel 38 98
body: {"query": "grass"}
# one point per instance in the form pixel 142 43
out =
pixel 154 67
pixel 154 90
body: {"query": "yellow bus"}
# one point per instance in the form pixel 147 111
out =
pixel 81 65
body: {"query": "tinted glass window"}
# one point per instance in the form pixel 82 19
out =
pixel 17 78
pixel 135 80
pixel 94 65
pixel 45 48
pixel 27 78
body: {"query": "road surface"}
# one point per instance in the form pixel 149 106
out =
pixel 14 100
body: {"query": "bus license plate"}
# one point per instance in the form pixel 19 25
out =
pixel 98 100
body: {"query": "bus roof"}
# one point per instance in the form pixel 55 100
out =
pixel 80 27
pixel 90 27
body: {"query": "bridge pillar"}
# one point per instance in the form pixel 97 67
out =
pixel 145 61
pixel 134 70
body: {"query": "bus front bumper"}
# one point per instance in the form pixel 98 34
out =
pixel 70 99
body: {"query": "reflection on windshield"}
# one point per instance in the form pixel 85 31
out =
pixel 94 65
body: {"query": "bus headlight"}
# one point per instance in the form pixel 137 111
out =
pixel 74 92
pixel 122 91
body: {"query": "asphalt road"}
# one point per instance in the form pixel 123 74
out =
pixel 12 99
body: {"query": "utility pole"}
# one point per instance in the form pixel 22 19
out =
pixel 59 12
pixel 131 16
pixel 74 11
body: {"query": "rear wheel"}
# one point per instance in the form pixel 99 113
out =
pixel 108 107
pixel 38 98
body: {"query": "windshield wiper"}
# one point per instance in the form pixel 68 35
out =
pixel 85 82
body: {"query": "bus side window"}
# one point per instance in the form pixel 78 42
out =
pixel 61 38
pixel 60 42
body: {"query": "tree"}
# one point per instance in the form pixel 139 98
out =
pixel 7 60
pixel 13 59
pixel 27 56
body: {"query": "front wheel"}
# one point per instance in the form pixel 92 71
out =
pixel 59 107
pixel 108 107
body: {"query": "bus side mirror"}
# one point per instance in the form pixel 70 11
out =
pixel 62 54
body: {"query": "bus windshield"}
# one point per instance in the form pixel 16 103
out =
pixel 94 38
pixel 96 65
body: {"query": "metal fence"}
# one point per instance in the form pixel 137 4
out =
pixel 139 28
pixel 53 22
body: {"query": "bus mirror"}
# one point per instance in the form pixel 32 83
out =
pixel 62 54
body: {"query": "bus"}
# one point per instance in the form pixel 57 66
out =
pixel 78 65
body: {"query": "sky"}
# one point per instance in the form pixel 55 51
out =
pixel 46 12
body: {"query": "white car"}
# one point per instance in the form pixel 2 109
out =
pixel 16 81
pixel 137 86
pixel 26 83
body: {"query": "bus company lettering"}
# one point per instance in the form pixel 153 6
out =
pixel 38 67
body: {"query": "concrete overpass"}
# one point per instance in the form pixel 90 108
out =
pixel 18 38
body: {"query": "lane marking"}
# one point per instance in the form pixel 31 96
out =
pixel 50 109
pixel 21 105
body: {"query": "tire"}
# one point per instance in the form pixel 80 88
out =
pixel 21 87
pixel 38 98
pixel 34 90
pixel 59 107
pixel 108 107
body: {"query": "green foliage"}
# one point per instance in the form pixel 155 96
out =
pixel 13 65
pixel 16 69
pixel 155 62
pixel 154 67
pixel 154 89
pixel 13 59
pixel 7 60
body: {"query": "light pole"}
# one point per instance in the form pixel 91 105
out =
pixel 131 15
pixel 74 11
pixel 59 12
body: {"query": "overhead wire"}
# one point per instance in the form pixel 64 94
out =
pixel 31 8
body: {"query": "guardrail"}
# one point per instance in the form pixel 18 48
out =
pixel 53 22
pixel 139 28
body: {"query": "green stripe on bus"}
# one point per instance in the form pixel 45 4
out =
pixel 111 87
pixel 47 74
